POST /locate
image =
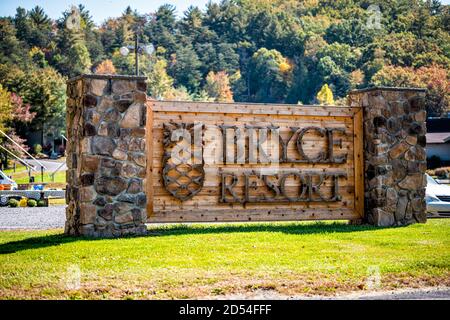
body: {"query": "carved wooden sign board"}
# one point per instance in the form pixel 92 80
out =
pixel 253 162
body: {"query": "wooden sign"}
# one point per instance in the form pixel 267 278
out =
pixel 253 162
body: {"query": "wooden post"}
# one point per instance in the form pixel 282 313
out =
pixel 359 162
pixel 149 137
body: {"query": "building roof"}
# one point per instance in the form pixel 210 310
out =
pixel 438 137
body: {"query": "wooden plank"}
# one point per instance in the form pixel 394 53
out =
pixel 149 178
pixel 359 162
pixel 270 214
pixel 249 108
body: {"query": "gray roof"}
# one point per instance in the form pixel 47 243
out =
pixel 438 137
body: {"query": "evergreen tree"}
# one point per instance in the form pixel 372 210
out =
pixel 185 68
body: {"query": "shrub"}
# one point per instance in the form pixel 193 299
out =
pixel 442 173
pixel 41 203
pixel 37 148
pixel 13 203
pixel 23 202
pixel 32 203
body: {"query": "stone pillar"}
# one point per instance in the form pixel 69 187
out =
pixel 106 157
pixel 394 154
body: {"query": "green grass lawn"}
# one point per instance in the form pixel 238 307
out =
pixel 180 261
pixel 22 177
pixel 19 168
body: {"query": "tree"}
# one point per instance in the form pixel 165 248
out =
pixel 315 42
pixel 352 32
pixel 44 90
pixel 159 83
pixel 271 78
pixel 434 78
pixel 330 72
pixel 342 55
pixel 73 56
pixel 13 51
pixel 12 147
pixel 105 67
pixel 161 28
pixel 218 87
pixel 325 95
pixel 12 110
pixel 178 94
pixel 21 112
pixel 38 57
pixel 34 27
pixel 5 107
pixel 437 81
pixel 185 68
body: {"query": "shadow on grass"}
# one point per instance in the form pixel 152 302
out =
pixel 170 230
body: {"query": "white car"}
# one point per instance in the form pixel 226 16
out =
pixel 4 179
pixel 438 198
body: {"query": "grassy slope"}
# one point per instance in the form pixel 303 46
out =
pixel 201 260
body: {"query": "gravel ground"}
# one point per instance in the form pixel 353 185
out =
pixel 436 293
pixel 32 218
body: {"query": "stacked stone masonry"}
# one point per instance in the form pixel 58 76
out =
pixel 394 154
pixel 106 156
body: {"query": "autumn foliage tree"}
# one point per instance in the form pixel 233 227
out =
pixel 105 67
pixel 218 86
pixel 433 78
pixel 325 95
pixel 5 107
pixel 12 110
pixel 159 83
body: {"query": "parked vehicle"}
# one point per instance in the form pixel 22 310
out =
pixel 438 198
pixel 5 180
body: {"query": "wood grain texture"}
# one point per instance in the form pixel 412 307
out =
pixel 359 162
pixel 150 144
pixel 205 206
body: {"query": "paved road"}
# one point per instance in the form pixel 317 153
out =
pixel 32 218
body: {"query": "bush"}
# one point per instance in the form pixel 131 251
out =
pixel 41 203
pixel 37 148
pixel 32 203
pixel 442 173
pixel 13 203
pixel 23 202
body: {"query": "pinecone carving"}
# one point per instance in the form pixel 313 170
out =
pixel 183 173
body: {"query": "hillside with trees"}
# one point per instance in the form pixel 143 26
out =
pixel 283 51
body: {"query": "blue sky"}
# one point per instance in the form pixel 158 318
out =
pixel 101 9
